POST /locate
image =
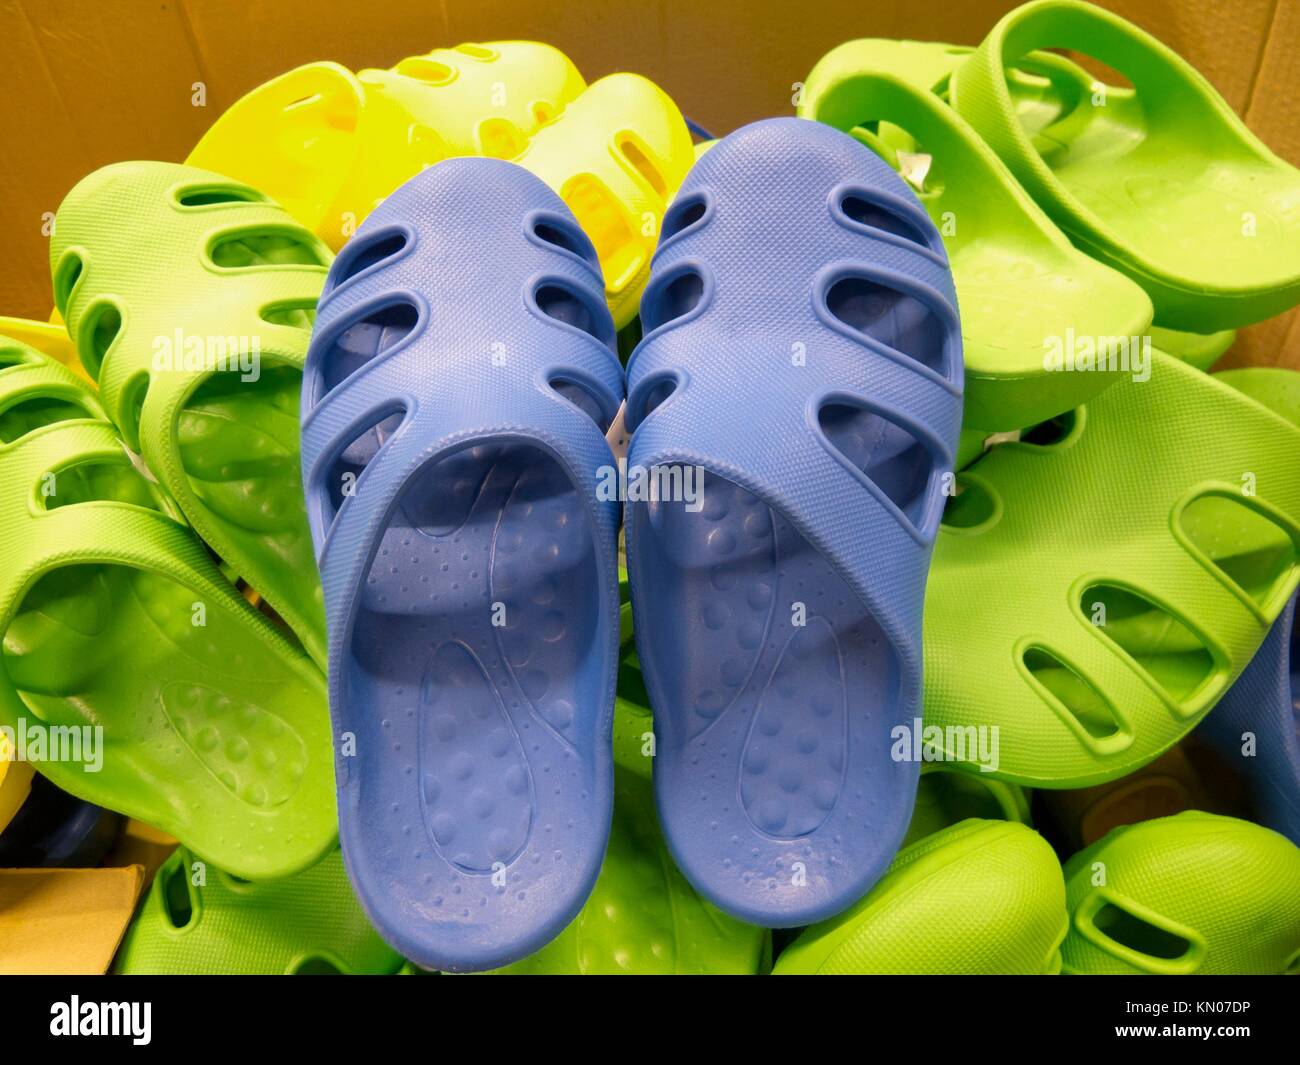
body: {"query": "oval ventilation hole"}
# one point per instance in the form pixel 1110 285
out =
pixel 1138 935
pixel 568 305
pixel 543 113
pixel 316 967
pixel 681 216
pixel 499 138
pixel 132 406
pixel 972 505
pixel 560 234
pixel 345 471
pixel 865 213
pixel 66 276
pixel 365 339
pixel 1163 646
pixel 1083 702
pixel 297 314
pixel 213 195
pixel 363 252
pixel 671 298
pixel 98 330
pixel 891 318
pixel 426 69
pixel 477 51
pixel 658 393
pixel 177 905
pixel 14 354
pixel 109 480
pixel 887 454
pixel 647 397
pixel 1248 549
pixel 259 246
pixel 1051 432
pixel 640 161
pixel 583 396
pixel 603 218
pixel 36 411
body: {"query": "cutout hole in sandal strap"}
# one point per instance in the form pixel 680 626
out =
pixel 681 216
pixel 480 52
pixel 559 232
pixel 894 319
pixel 575 308
pixel 213 195
pixel 1244 546
pixel 670 297
pixel 638 157
pixel 177 904
pixel 97 480
pixel 66 276
pixel 99 328
pixel 255 247
pixel 426 69
pixel 36 410
pixel 583 395
pixel 343 473
pixel 1140 936
pixel 1083 702
pixel 15 354
pixel 864 212
pixel 316 966
pixel 1164 647
pixel 366 251
pixel 369 336
pixel 889 455
pixel 297 314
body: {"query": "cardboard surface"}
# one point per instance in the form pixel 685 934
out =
pixel 64 921
pixel 85 83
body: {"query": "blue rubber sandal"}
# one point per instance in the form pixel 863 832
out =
pixel 1260 714
pixel 802 349
pixel 460 377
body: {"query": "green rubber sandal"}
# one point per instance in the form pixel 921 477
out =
pixel 1098 585
pixel 1019 281
pixel 643 917
pixel 980 897
pixel 1194 893
pixel 946 797
pixel 1185 200
pixel 309 924
pixel 214 725
pixel 1043 88
pixel 227 276
pixel 1201 350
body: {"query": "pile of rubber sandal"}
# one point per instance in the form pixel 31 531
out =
pixel 493 532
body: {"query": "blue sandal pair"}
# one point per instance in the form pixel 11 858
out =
pixel 793 406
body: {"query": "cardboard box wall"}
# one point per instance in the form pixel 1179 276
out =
pixel 88 82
